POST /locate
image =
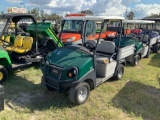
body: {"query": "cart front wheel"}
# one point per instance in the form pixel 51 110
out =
pixel 80 93
pixel 119 72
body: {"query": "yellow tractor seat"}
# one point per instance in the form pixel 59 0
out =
pixel 12 25
pixel 2 38
pixel 7 39
pixel 27 45
pixel 17 43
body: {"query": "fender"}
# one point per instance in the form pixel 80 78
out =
pixel 6 59
pixel 123 62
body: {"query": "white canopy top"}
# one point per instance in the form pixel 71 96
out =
pixel 94 18
pixel 138 21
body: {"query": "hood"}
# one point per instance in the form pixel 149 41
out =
pixel 65 36
pixel 106 34
pixel 103 35
pixel 68 57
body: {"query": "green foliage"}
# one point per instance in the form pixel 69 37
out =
pixel 130 15
pixel 87 12
pixel 2 12
pixel 41 15
pixel 153 16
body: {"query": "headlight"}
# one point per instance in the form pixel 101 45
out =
pixel 71 39
pixel 111 35
pixel 72 73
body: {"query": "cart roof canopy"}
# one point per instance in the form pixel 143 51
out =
pixel 17 16
pixel 95 18
pixel 138 21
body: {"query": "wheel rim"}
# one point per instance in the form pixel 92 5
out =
pixel 1 76
pixel 120 73
pixel 136 61
pixel 82 94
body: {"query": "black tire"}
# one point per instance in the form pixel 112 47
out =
pixel 75 93
pixel 155 48
pixel 148 54
pixel 119 73
pixel 135 61
pixel 3 74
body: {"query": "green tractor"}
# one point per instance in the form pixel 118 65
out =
pixel 79 69
pixel 19 48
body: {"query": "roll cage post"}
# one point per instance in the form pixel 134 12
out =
pixel 4 29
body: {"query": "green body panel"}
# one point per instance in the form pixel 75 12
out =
pixel 67 57
pixel 126 41
pixel 12 38
pixel 44 30
pixel 6 62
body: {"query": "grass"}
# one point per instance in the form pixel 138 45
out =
pixel 135 97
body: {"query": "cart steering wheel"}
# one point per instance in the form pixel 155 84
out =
pixel 89 45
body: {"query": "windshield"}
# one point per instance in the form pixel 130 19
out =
pixel 133 26
pixel 158 25
pixel 72 26
pixel 2 24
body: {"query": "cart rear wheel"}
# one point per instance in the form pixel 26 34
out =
pixel 3 74
pixel 80 93
pixel 155 48
pixel 119 72
pixel 148 54
pixel 136 59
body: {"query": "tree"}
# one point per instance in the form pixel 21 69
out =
pixel 87 12
pixel 130 16
pixel 36 12
pixel 41 15
pixel 153 16
pixel 2 12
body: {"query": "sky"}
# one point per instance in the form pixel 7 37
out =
pixel 141 8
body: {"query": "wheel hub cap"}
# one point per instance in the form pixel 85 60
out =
pixel 120 73
pixel 82 94
pixel 1 76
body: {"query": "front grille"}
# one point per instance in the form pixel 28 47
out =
pixel 55 72
pixel 52 72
